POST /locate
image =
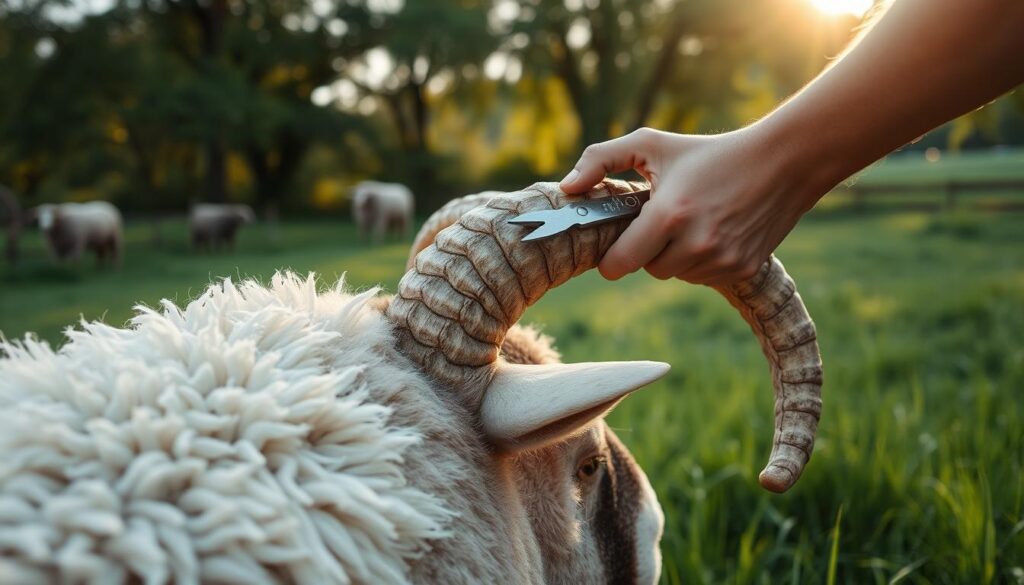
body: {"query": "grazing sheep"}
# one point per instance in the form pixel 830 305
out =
pixel 382 208
pixel 71 228
pixel 214 225
pixel 271 433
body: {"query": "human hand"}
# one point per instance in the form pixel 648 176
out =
pixel 719 206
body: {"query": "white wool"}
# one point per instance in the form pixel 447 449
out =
pixel 215 211
pixel 210 443
pixel 392 197
pixel 87 217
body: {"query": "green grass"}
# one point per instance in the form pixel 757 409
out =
pixel 921 445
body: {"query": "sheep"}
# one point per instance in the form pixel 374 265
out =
pixel 71 228
pixel 214 225
pixel 274 433
pixel 381 209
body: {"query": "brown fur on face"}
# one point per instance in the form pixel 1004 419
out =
pixel 586 526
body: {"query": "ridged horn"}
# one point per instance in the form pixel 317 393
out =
pixel 463 292
pixel 444 217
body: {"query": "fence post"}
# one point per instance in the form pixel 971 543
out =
pixel 157 236
pixel 951 192
pixel 858 198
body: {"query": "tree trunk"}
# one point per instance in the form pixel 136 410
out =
pixel 662 69
pixel 216 172
pixel 424 174
pixel 272 181
pixel 419 111
pixel 147 164
pixel 10 202
pixel 592 103
pixel 210 18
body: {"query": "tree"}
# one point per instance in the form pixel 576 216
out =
pixel 613 56
pixel 403 63
pixel 625 61
pixel 253 68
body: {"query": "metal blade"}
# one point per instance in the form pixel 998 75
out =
pixel 581 213
pixel 534 217
pixel 545 231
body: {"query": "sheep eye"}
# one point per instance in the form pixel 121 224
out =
pixel 589 467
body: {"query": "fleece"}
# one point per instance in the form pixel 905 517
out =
pixel 231 440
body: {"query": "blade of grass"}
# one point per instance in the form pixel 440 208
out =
pixel 833 559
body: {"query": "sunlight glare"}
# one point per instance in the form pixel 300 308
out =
pixel 837 7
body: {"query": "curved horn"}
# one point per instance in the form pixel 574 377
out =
pixel 444 217
pixel 465 291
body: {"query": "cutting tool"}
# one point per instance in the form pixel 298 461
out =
pixel 551 222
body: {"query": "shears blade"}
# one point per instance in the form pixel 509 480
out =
pixel 551 222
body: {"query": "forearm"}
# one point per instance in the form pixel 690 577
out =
pixel 923 63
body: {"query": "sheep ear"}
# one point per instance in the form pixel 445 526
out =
pixel 529 406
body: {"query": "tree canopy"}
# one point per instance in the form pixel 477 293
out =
pixel 158 103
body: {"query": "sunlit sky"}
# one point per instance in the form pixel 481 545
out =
pixel 854 7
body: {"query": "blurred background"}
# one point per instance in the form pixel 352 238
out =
pixel 153 104
pixel 914 269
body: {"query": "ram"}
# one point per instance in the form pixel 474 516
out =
pixel 276 434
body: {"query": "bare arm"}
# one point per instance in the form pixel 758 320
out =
pixel 923 63
pixel 723 203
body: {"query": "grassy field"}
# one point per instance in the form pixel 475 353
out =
pixel 919 472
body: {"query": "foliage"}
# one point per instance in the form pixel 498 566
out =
pixel 156 104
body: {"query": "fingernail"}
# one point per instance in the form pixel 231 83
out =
pixel 608 274
pixel 570 177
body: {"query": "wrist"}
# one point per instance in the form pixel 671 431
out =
pixel 799 160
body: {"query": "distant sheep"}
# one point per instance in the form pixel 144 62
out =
pixel 382 208
pixel 215 225
pixel 71 228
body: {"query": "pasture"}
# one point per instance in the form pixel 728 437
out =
pixel 918 476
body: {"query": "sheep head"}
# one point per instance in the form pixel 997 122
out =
pixel 469 281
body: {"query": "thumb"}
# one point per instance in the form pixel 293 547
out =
pixel 612 156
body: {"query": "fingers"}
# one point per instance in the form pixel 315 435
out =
pixel 701 257
pixel 613 156
pixel 719 273
pixel 678 257
pixel 643 240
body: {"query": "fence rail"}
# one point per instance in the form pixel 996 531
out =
pixel 951 189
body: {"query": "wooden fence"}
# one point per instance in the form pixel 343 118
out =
pixel 951 190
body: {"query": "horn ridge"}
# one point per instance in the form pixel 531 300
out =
pixel 448 214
